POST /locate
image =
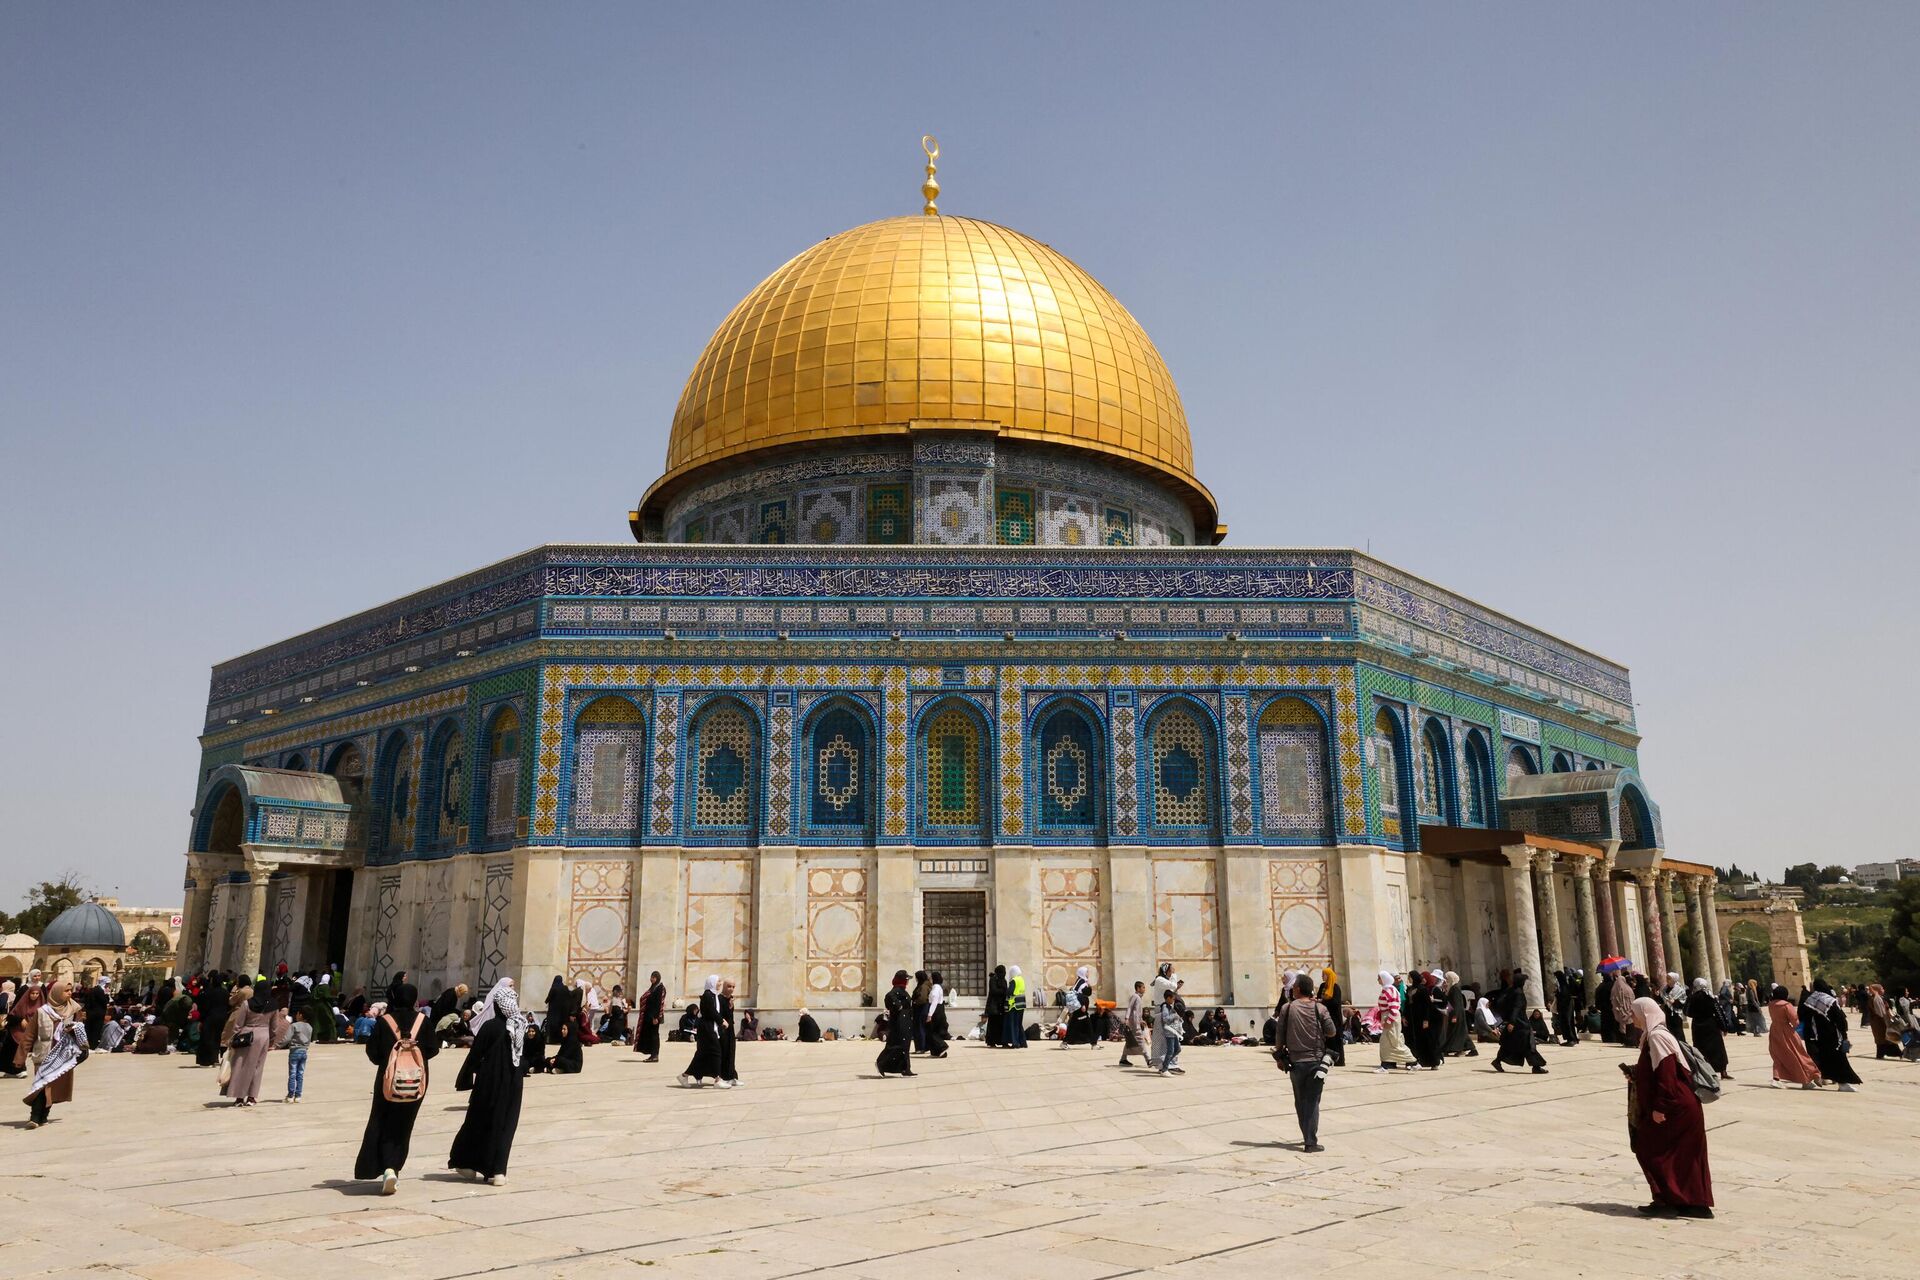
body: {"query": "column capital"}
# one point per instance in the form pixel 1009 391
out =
pixel 1543 859
pixel 257 867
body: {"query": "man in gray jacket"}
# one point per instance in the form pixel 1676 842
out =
pixel 1301 1041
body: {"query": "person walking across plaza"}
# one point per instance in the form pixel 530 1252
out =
pixel 1703 1012
pixel 1016 1008
pixel 1302 1052
pixel 1666 1126
pixel 894 1059
pixel 706 1039
pixel 1517 1044
pixel 1081 1021
pixel 1163 982
pixel 398 1040
pixel 299 1040
pixel 59 1045
pixel 1132 1026
pixel 1169 1027
pixel 648 1015
pixel 1393 1040
pixel 1827 1037
pixel 996 1010
pixel 729 1071
pixel 939 1032
pixel 1791 1064
pixel 1332 999
pixel 494 1083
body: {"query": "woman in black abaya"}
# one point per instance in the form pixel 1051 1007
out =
pixel 1708 1038
pixel 558 1011
pixel 997 1007
pixel 214 1008
pixel 1425 1022
pixel 492 1072
pixel 383 1147
pixel 893 1060
pixel 729 1077
pixel 706 1038
pixel 937 1032
pixel 648 1015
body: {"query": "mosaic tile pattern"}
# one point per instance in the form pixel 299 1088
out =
pixel 1293 770
pixel 952 769
pixel 1239 761
pixel 609 769
pixel 889 514
pixel 1126 820
pixel 725 790
pixel 666 750
pixel 779 769
pixel 1012 760
pixel 1013 517
pixel 1182 770
pixel 1070 912
pixel 1298 904
pixel 894 816
pixel 599 918
pixel 841 770
pixel 1069 772
pixel 386 928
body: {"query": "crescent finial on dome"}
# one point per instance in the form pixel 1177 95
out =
pixel 931 187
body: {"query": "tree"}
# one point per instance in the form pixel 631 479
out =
pixel 1751 957
pixel 1898 961
pixel 1804 875
pixel 47 900
pixel 1832 875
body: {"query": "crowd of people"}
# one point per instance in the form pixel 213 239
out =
pixel 1418 1021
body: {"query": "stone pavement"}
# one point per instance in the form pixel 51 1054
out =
pixel 991 1164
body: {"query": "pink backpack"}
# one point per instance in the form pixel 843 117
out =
pixel 404 1078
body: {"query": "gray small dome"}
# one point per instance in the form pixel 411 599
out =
pixel 87 925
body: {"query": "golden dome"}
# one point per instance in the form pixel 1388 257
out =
pixel 932 321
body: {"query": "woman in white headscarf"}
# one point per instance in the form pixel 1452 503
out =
pixel 1667 1128
pixel 1080 1019
pixel 494 1080
pixel 706 1036
pixel 1393 1038
pixel 937 1030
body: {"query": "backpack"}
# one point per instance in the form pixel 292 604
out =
pixel 404 1079
pixel 1700 1074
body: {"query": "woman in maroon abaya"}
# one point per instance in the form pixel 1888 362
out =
pixel 1667 1127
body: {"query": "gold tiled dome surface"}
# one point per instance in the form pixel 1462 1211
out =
pixel 931 318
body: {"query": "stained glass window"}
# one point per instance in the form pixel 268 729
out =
pixel 724 789
pixel 1433 776
pixel 1069 794
pixel 1182 791
pixel 453 788
pixel 953 769
pixel 1293 769
pixel 503 772
pixel 839 793
pixel 1479 781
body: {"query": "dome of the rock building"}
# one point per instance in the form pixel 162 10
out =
pixel 923 325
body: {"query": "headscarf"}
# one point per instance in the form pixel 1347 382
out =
pixel 1701 984
pixel 1389 1005
pixel 900 978
pixel 1453 979
pixel 1328 981
pixel 938 995
pixel 504 1001
pixel 1435 978
pixel 1820 1002
pixel 483 1009
pixel 60 998
pixel 713 984
pixel 403 1002
pixel 1656 1041
pixel 1080 974
pixel 262 1000
pixel 557 995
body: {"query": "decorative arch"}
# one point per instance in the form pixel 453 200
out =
pixel 1562 763
pixel 837 803
pixel 220 826
pixel 1068 761
pixel 609 764
pixel 1479 780
pixel 1182 779
pixel 955 790
pixel 1436 796
pixel 723 772
pixel 1291 745
pixel 1637 828
pixel 444 789
pixel 1389 765
pixel 348 768
pixel 500 772
pixel 1520 764
pixel 394 797
pixel 1593 766
pixel 296 762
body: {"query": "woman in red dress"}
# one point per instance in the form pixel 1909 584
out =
pixel 1667 1127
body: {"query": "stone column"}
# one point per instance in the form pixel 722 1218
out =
pixel 1697 921
pixel 1669 927
pixel 1552 949
pixel 1601 868
pixel 1656 954
pixel 1716 950
pixel 258 875
pixel 191 955
pixel 1521 922
pixel 1590 952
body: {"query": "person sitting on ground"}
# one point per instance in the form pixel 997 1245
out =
pixel 689 1023
pixel 809 1032
pixel 749 1026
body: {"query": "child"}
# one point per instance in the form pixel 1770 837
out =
pixel 1171 1028
pixel 299 1036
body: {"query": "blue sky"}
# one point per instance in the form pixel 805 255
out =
pixel 1606 317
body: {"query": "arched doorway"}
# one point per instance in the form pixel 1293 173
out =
pixel 1750 955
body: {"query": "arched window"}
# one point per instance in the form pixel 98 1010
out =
pixel 1520 764
pixel 447 787
pixel 1069 772
pixel 1182 776
pixel 503 772
pixel 1479 780
pixel 349 769
pixel 1593 766
pixel 952 769
pixel 1433 771
pixel 1561 764
pixel 609 746
pixel 395 787
pixel 840 797
pixel 1293 769
pixel 296 762
pixel 726 790
pixel 1386 763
